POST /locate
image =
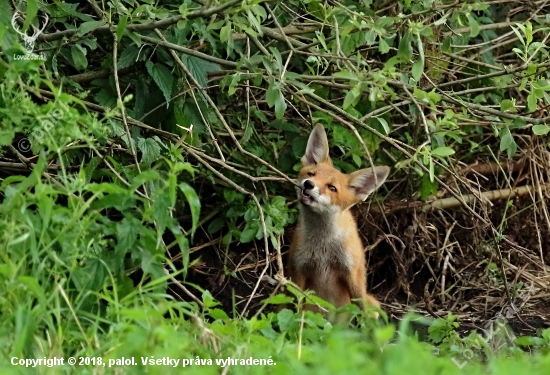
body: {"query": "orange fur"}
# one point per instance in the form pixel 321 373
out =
pixel 326 253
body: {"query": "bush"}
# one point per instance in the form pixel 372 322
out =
pixel 145 132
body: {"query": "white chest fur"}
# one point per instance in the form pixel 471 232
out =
pixel 321 245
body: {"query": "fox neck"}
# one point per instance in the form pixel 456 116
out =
pixel 323 227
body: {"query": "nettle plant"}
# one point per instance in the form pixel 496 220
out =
pixel 78 220
pixel 276 212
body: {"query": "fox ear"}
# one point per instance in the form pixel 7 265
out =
pixel 317 147
pixel 364 181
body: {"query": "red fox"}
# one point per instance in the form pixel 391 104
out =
pixel 326 253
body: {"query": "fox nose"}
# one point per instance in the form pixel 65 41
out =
pixel 308 185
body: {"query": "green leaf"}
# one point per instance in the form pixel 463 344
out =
pixel 405 51
pixel 518 34
pixel 352 97
pixel 274 97
pixel 254 22
pixel 356 159
pixel 30 13
pixel 207 300
pixel 172 184
pixel 182 24
pixel 278 299
pixel 162 77
pixel 286 319
pixel 417 69
pixel 216 25
pixel 286 126
pixel 273 92
pixel 443 151
pixel 218 314
pixel 508 143
pixel 134 36
pixel 532 101
pixel 127 231
pixel 474 26
pixel 32 284
pixel 528 33
pixel 541 129
pixel 249 233
pixel 121 27
pixel 194 204
pixel 528 341
pixel 128 57
pixel 161 210
pixel 150 150
pixel 446 46
pixel 216 225
pixel 280 106
pixel 183 244
pixel 346 75
pixel 384 124
pixel 107 188
pixel 6 136
pixel 418 66
pixel 143 177
pixel 107 98
pixel 184 10
pixel 440 21
pixel 199 68
pixel 225 32
pixel 78 53
pixel 507 106
pixel 119 201
pixel 90 277
pixel 370 37
pixel 426 31
pixel 427 187
pixel 150 263
pixel 506 140
pixel 234 84
pixel 86 27
pixel 383 46
pixel 383 335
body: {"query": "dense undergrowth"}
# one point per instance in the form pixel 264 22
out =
pixel 133 200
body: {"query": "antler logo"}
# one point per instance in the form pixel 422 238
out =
pixel 29 40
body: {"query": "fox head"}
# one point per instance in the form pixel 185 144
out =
pixel 324 189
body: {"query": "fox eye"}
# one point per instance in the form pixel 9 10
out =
pixel 310 174
pixel 332 188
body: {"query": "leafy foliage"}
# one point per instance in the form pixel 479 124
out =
pixel 108 180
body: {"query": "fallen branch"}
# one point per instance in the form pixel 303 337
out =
pixel 451 202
